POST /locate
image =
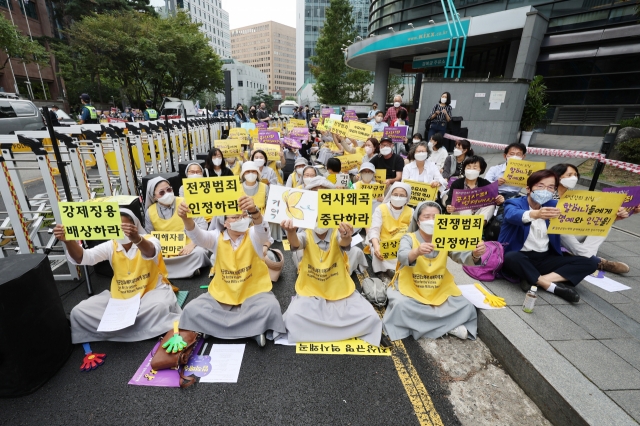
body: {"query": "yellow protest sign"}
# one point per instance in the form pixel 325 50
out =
pixel 209 197
pixel 377 189
pixel 272 150
pixel 358 131
pixel 381 176
pixel 420 192
pixel 353 346
pixel 286 245
pixel 350 161
pixel 331 146
pixel 389 248
pixel 586 213
pixel 91 221
pixel 240 134
pixel 253 134
pixel 293 122
pixel 377 135
pixel 171 242
pixel 457 232
pixel 518 171
pixel 321 127
pixel 339 128
pixel 344 205
pixel 229 147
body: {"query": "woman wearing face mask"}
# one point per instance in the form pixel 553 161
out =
pixel 421 170
pixel 433 305
pixel 453 163
pixel 136 258
pixel 581 245
pixel 327 306
pixel 251 186
pixel 266 174
pixel 533 255
pixel 389 222
pixel 162 215
pixel 234 164
pixel 371 149
pixel 238 304
pixel 438 152
pixel 295 179
pixel 215 164
pixel 440 116
pixel 473 168
pixel 193 171
pixel 378 124
pixel 240 117
pixel 253 115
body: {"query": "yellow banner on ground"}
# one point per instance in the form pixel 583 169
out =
pixel 518 171
pixel 171 242
pixel 339 128
pixel 216 196
pixel 229 147
pixel 586 213
pixel 389 248
pixel 377 135
pixel 91 221
pixel 344 205
pixel 272 150
pixel 358 131
pixel 353 346
pixel 420 192
pixel 240 134
pixel 457 232
pixel 350 161
pixel 377 189
pixel 293 122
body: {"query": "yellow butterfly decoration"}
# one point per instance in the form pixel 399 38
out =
pixel 291 202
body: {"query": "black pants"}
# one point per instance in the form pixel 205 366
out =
pixel 530 265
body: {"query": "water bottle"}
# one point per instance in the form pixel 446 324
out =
pixel 530 299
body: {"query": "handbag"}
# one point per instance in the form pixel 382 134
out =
pixel 490 263
pixel 162 360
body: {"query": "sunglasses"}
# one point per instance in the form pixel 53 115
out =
pixel 165 191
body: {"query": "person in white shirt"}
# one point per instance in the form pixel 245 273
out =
pixel 516 151
pixel 373 112
pixel 438 152
pixel 422 170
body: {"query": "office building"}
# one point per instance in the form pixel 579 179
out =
pixel 271 48
pixel 246 81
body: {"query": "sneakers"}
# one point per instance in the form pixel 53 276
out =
pixel 460 332
pixel 567 293
pixel 611 266
pixel 261 340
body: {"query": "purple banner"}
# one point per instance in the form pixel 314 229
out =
pixel 326 112
pixel 146 376
pixel 350 115
pixel 291 143
pixel 632 200
pixel 397 134
pixel 299 133
pixel 472 199
pixel 262 125
pixel 315 121
pixel 268 136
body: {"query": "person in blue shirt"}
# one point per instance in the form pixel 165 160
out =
pixel 240 117
pixel 532 254
pixel 149 113
pixel 89 115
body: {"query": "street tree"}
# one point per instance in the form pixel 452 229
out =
pixel 260 96
pixel 19 46
pixel 395 86
pixel 68 11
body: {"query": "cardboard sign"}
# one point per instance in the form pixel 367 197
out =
pixel 299 205
pixel 518 171
pixel 253 134
pixel 262 125
pixel 420 192
pixel 473 199
pixel 326 125
pixel 229 147
pixel 294 122
pixel 299 133
pixel 397 134
pixel 349 162
pixel 268 136
pixel 457 232
pixel 326 112
pixel 248 126
pixel 291 143
pixel 586 213
pixel 350 115
pixel 315 121
pixel 377 189
pixel 389 248
pixel 358 131
pixel 91 221
pixel 272 150
pixel 632 196
pixel 381 176
pixel 239 133
pixel 377 135
pixel 339 128
pixel 353 346
pixel 216 196
pixel 344 205
pixel 336 117
pixel 171 242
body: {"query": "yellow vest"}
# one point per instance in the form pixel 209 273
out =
pixel 236 168
pixel 260 199
pixel 294 180
pixel 239 274
pixel 324 274
pixel 392 228
pixel 174 224
pixel 429 281
pixel 137 275
pixel 272 164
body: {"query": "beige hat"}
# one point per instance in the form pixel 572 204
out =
pixel 249 165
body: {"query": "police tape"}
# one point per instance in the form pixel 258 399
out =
pixel 549 152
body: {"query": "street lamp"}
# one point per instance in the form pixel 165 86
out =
pixel 391 28
pixel 411 25
pixel 431 22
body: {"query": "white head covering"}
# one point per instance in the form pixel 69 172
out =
pixel 151 188
pixel 300 161
pixel 367 166
pixel 319 181
pixel 186 171
pixel 402 185
pixel 249 165
pixel 414 225
pixel 135 219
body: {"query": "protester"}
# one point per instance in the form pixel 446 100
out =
pixel 334 167
pixel 239 302
pixel 251 186
pixel 262 115
pixel 295 179
pixel 137 259
pixel 582 245
pixel 392 113
pixel 234 164
pixel 378 124
pixel 421 170
pixel 239 116
pixel 392 163
pixel 453 164
pixel 216 165
pixel 253 114
pixel 371 149
pixel 162 215
pixel 440 116
pixel 516 151
pixel 267 174
pixel 192 171
pixel 433 305
pixel 290 155
pixel 53 110
pixel 401 119
pixel 533 255
pixel 438 151
pixel 372 113
pixel 89 115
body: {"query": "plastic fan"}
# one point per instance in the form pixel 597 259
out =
pixel 490 299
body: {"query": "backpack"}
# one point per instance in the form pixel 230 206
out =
pixel 373 289
pixel 490 263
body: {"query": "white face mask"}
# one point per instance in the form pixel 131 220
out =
pixel 443 100
pixel 320 231
pixel 259 162
pixel 427 226
pixel 167 199
pixel 307 180
pixel 398 201
pixel 569 182
pixel 457 152
pixel 421 156
pixel 366 177
pixel 217 161
pixel 416 140
pixel 471 174
pixel 385 151
pixel 240 225
pixel 251 177
pixel 299 170
pixel 124 240
pixel 396 104
pixel 368 150
pixel 378 119
pixel 430 145
pixel 194 176
pixel 514 157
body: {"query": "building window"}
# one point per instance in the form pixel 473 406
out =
pixel 6 3
pixel 240 83
pixel 29 8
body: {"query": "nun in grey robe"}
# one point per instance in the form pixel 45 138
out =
pixel 184 266
pixel 158 308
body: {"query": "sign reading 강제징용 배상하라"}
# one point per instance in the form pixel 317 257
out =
pixel 344 205
pixel 457 232
pixel 91 221
pixel 586 213
pixel 216 196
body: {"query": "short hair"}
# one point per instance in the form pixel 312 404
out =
pixel 522 147
pixel 465 144
pixel 475 159
pixel 412 152
pixel 560 169
pixel 448 97
pixel 438 139
pixel 539 175
pixel 264 154
pixel 402 114
pixel 334 165
pixel 417 135
pixel 380 113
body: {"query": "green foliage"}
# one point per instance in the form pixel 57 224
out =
pixel 263 97
pixel 20 46
pixel 630 150
pixel 69 11
pixel 335 82
pixel 632 122
pixel 535 108
pixel 138 56
pixel 290 98
pixel 395 86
